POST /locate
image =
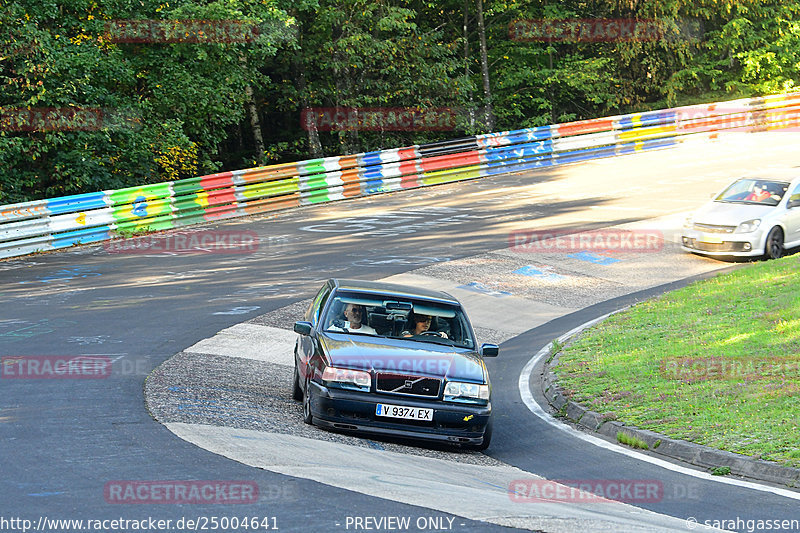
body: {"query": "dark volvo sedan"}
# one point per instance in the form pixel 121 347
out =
pixel 393 360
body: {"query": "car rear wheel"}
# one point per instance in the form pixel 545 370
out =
pixel 307 416
pixel 773 249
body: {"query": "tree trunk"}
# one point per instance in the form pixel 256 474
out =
pixel 314 144
pixel 471 105
pixel 487 91
pixel 255 123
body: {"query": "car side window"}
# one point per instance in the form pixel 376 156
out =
pixel 795 194
pixel 318 304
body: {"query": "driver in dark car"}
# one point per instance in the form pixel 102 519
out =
pixel 421 324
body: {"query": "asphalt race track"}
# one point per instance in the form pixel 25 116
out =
pixel 66 443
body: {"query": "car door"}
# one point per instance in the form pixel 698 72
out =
pixel 306 344
pixel 791 218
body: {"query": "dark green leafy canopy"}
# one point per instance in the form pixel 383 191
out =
pixel 83 110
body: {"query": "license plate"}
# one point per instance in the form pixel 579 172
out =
pixel 711 240
pixel 406 413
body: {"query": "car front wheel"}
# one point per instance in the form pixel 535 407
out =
pixel 487 439
pixel 773 249
pixel 307 416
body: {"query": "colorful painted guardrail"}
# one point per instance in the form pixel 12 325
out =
pixel 86 218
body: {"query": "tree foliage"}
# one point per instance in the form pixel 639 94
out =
pixel 165 109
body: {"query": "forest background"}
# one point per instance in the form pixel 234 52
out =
pixel 104 94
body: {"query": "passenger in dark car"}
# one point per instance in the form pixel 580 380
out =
pixel 420 324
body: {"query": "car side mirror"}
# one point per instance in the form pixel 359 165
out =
pixel 489 350
pixel 303 328
pixel 793 203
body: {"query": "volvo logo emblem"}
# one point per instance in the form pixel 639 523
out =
pixel 409 383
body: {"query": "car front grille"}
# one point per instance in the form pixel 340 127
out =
pixel 716 247
pixel 407 385
pixel 713 228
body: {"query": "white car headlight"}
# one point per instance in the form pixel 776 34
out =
pixel 346 378
pixel 688 223
pixel 748 226
pixel 456 391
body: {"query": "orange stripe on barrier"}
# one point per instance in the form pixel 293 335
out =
pixel 275 172
pixel 351 181
pixel 272 204
pixel 585 126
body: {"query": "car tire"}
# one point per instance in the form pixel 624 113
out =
pixel 773 247
pixel 308 418
pixel 487 439
pixel 297 390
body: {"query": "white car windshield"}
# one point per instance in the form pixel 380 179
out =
pixel 754 191
pixel 401 318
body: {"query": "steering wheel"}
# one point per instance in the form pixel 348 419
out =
pixel 435 334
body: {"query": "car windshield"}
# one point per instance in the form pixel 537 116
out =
pixel 754 191
pixel 390 316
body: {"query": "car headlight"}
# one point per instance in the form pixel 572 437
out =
pixel 688 223
pixel 456 391
pixel 748 226
pixel 346 378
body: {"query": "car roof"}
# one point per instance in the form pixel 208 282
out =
pixel 380 287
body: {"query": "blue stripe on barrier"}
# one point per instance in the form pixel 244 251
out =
pixel 518 151
pixel 373 172
pixel 373 187
pixel 75 203
pixel 583 155
pixel 651 144
pixel 651 118
pixel 81 236
pixel 504 167
pixel 371 158
pixel 530 134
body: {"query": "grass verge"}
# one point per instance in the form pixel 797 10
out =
pixel 716 363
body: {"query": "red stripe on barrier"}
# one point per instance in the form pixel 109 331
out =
pixel 221 196
pixel 585 126
pixel 443 162
pixel 405 154
pixel 215 181
pixel 411 181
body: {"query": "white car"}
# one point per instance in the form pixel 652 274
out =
pixel 758 216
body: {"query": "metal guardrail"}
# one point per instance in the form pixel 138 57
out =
pixel 86 218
